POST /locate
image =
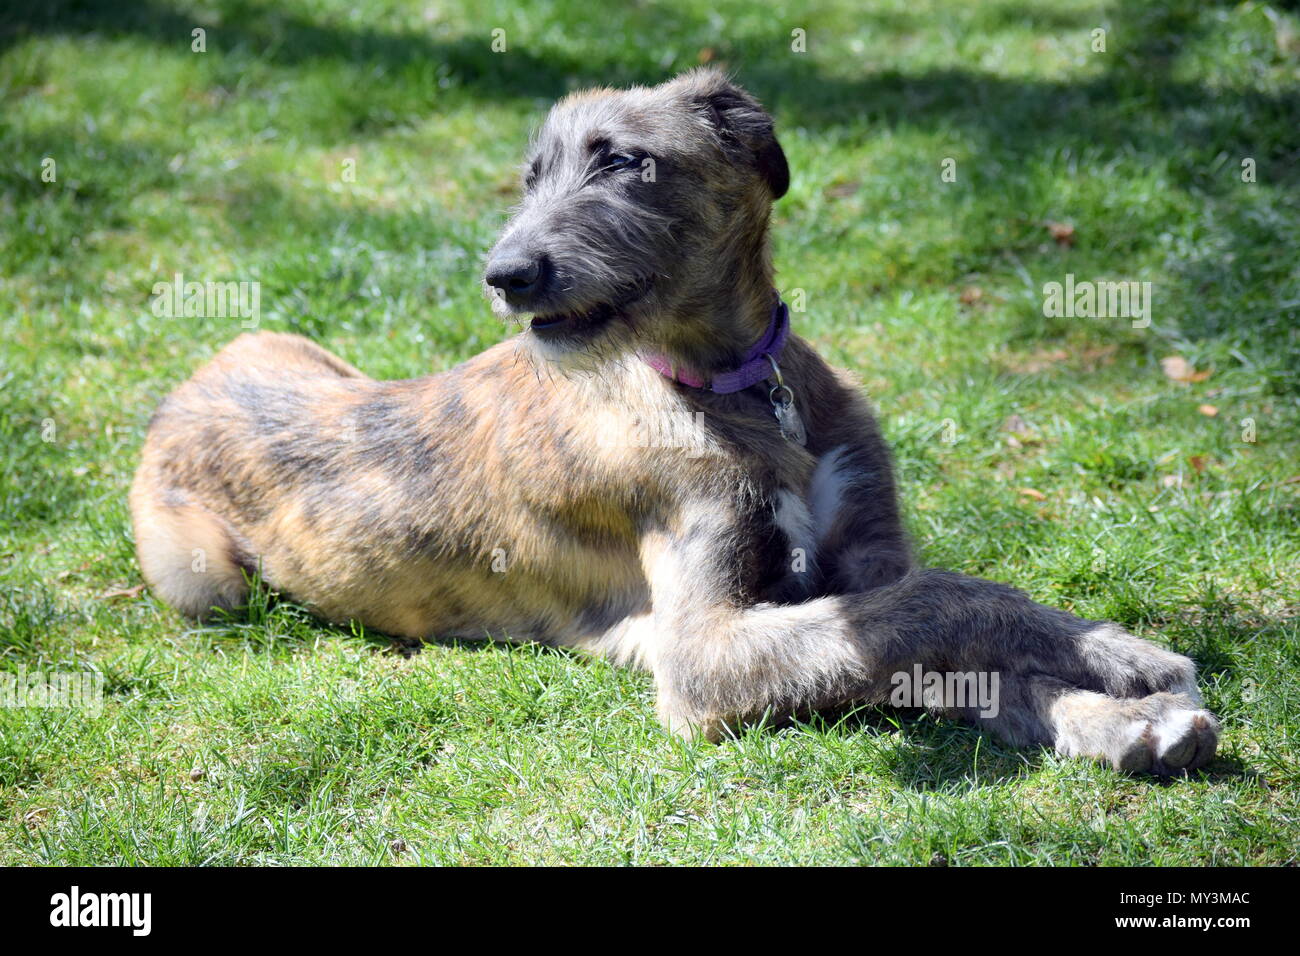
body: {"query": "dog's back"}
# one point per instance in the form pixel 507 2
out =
pixel 477 501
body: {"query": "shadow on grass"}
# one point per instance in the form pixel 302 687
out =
pixel 1019 115
pixel 268 621
pixel 934 753
pixel 938 754
pixel 1136 106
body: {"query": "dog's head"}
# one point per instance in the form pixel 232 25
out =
pixel 644 213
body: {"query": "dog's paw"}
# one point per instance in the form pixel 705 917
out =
pixel 1185 740
pixel 1176 740
pixel 689 724
pixel 1137 754
pixel 1130 667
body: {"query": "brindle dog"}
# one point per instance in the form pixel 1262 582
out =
pixel 531 493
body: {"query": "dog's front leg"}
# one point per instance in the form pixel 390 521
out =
pixel 719 659
pixel 861 543
pixel 1085 688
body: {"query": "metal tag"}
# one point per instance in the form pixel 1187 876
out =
pixel 787 417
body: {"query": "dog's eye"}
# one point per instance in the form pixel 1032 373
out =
pixel 609 162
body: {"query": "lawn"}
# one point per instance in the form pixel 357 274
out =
pixel 356 158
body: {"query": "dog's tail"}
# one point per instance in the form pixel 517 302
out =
pixel 188 556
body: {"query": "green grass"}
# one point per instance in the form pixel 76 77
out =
pixel 276 739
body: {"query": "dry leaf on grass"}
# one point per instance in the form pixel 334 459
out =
pixel 971 294
pixel 131 592
pixel 1040 361
pixel 1207 410
pixel 1032 493
pixel 34 818
pixel 1180 370
pixel 1016 425
pixel 1062 232
pixel 1090 359
pixel 1019 432
pixel 69 572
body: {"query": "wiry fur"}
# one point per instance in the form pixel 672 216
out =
pixel 488 501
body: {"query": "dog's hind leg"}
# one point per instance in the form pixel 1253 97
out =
pixel 187 554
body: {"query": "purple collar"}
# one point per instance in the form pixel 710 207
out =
pixel 754 368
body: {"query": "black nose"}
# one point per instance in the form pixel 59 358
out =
pixel 520 278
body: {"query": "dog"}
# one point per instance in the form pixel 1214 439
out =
pixel 656 469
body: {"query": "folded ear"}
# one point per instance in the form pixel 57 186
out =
pixel 744 128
